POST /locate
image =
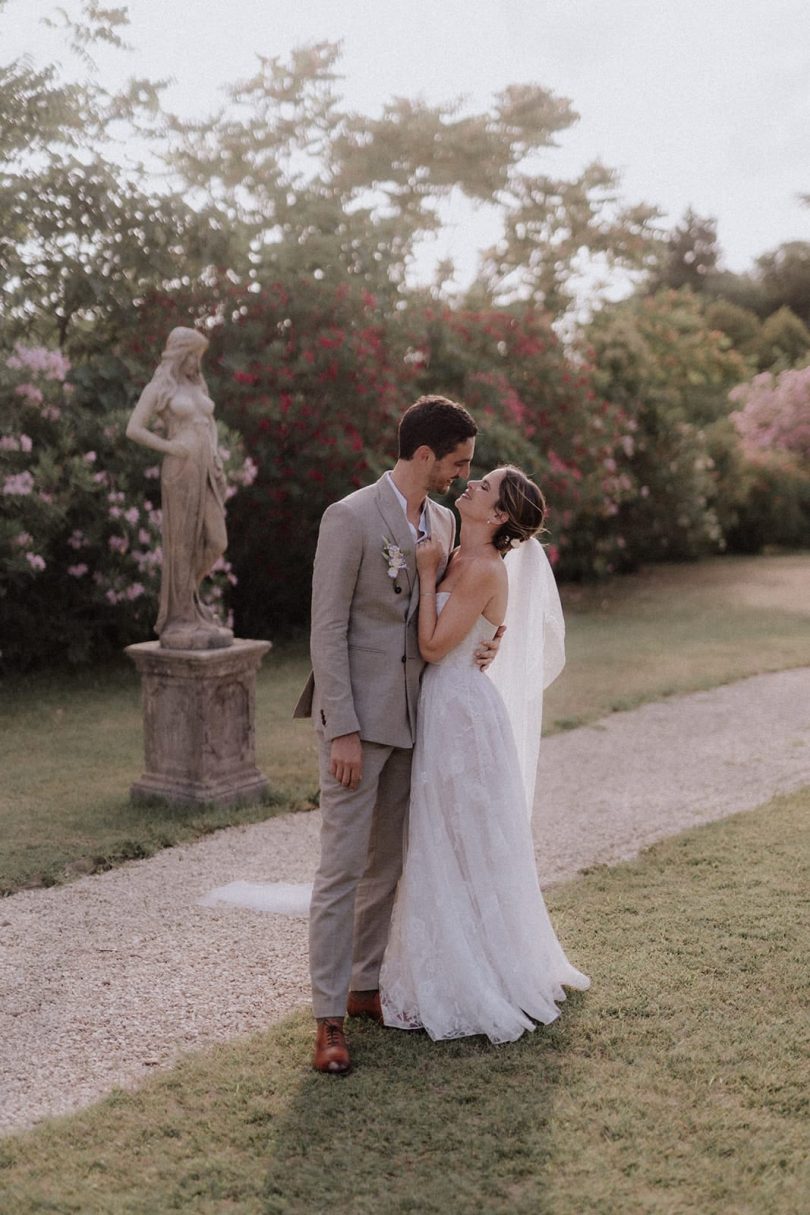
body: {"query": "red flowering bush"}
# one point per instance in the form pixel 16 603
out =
pixel 314 376
pixel 309 379
pixel 539 408
pixel 306 372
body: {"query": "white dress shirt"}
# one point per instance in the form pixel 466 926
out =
pixel 423 531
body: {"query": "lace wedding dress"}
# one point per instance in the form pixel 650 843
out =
pixel 472 949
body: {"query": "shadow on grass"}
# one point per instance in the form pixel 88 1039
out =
pixel 677 1083
pixel 418 1126
pixel 460 1126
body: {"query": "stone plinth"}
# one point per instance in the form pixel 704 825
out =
pixel 199 716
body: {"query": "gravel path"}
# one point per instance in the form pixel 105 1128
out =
pixel 117 974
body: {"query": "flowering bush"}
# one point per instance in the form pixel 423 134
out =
pixel 313 377
pixel 772 488
pixel 775 413
pixel 536 407
pixel 307 373
pixel 80 552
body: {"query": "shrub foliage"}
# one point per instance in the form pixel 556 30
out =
pixel 285 228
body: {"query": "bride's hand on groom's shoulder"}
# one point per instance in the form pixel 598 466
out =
pixel 487 650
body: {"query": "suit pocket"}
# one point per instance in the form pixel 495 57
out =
pixel 378 679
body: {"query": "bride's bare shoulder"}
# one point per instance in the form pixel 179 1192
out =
pixel 483 570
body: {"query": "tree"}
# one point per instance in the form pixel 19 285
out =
pixel 537 406
pixel 327 192
pixel 659 360
pixel 741 326
pixel 779 279
pixel 688 256
pixel 763 465
pixel 785 276
pixel 784 340
pixel 80 236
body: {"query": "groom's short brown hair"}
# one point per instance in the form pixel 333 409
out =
pixel 434 422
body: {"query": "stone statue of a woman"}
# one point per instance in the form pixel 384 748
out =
pixel 176 402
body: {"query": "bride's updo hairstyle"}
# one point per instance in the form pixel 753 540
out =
pixel 525 508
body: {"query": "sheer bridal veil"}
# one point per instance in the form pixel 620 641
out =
pixel 532 652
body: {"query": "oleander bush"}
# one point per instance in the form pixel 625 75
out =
pixel 537 406
pixel 630 437
pixel 314 376
pixel 308 374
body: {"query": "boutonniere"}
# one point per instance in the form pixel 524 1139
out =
pixel 395 557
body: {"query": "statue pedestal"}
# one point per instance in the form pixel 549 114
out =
pixel 199 716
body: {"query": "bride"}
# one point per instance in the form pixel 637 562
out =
pixel 472 949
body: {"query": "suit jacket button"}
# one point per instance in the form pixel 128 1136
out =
pixel 403 657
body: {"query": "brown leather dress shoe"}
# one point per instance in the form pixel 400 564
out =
pixel 331 1052
pixel 365 1004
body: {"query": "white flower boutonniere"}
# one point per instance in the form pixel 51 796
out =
pixel 395 557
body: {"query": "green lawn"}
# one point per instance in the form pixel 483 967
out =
pixel 678 1084
pixel 70 746
pixel 679 628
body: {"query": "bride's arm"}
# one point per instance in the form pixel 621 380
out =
pixel 472 593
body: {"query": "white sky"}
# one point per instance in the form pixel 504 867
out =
pixel 697 102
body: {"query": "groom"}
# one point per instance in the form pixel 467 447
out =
pixel 362 696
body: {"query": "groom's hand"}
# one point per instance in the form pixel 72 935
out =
pixel 346 760
pixel 488 649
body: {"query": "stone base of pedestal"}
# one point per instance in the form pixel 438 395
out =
pixel 199 717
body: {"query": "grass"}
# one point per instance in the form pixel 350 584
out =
pixel 677 1084
pixel 70 746
pixel 679 628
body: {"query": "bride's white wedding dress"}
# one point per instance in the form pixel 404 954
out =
pixel 471 949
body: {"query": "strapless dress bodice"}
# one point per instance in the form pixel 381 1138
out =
pixel 463 655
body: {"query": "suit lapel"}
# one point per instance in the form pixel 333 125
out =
pixel 396 528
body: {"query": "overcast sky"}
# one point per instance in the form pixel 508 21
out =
pixel 702 103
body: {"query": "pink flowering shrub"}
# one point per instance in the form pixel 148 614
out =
pixel 775 413
pixel 770 486
pixel 80 553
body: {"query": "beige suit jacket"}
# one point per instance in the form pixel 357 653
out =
pixel 366 664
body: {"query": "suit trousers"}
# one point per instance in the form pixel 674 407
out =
pixel 362 840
